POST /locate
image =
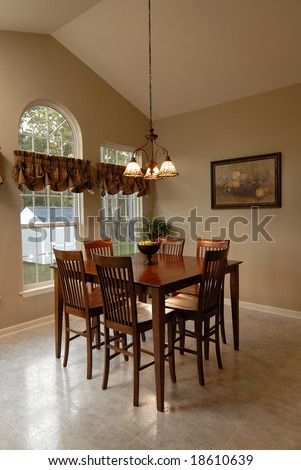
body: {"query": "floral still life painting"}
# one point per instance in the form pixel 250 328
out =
pixel 246 182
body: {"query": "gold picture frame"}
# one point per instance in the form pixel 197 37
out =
pixel 246 181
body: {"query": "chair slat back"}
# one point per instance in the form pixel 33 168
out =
pixel 172 246
pixel 117 286
pixel 212 280
pixel 72 278
pixel 101 247
pixel 204 245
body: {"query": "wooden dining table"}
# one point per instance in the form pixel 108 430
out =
pixel 168 274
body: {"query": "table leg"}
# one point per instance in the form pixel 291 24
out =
pixel 234 291
pixel 158 307
pixel 58 314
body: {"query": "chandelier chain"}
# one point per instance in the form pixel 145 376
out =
pixel 150 64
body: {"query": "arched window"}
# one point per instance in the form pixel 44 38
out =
pixel 48 217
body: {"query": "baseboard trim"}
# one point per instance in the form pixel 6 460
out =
pixel 27 325
pixel 268 309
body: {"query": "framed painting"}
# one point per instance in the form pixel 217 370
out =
pixel 246 182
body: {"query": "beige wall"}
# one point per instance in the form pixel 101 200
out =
pixel 37 67
pixel 270 122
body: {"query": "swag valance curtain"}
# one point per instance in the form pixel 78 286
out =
pixel 37 170
pixel 111 180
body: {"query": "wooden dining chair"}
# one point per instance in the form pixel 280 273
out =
pixel 172 246
pixel 203 310
pixel 203 245
pixel 101 247
pixel 126 315
pixel 105 248
pixel 79 302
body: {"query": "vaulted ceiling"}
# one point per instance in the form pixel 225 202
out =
pixel 204 52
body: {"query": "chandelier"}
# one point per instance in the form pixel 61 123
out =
pixel 151 149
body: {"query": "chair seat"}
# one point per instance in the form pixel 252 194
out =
pixel 95 299
pixel 183 302
pixel 144 312
pixel 191 290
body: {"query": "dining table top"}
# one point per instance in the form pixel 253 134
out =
pixel 167 269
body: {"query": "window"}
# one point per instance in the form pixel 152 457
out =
pixel 118 210
pixel 47 217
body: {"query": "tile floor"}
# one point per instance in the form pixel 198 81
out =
pixel 253 403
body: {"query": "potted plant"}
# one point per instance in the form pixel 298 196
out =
pixel 156 228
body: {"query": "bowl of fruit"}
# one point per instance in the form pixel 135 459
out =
pixel 149 248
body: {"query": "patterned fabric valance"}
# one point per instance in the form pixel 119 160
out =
pixel 37 170
pixel 111 180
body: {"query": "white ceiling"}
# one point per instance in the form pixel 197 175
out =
pixel 204 52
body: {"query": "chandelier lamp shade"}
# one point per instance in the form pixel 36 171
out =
pixel 151 149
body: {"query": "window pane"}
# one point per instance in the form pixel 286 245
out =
pixel 44 271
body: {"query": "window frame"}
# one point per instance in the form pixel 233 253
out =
pixel 47 286
pixel 120 248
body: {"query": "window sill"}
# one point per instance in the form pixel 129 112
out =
pixel 37 291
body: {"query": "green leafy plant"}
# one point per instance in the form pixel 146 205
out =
pixel 156 228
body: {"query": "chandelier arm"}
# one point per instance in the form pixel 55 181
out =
pixel 142 150
pixel 161 151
